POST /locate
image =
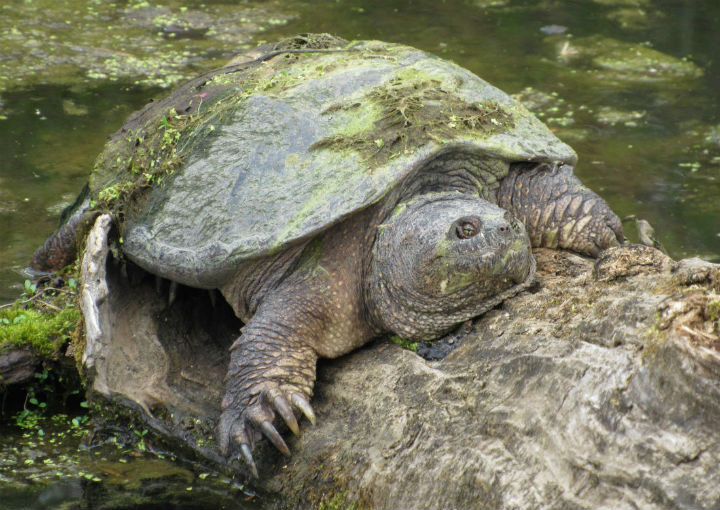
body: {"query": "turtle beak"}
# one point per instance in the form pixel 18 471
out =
pixel 511 255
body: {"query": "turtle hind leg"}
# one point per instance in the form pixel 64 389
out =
pixel 270 373
pixel 558 210
pixel 60 248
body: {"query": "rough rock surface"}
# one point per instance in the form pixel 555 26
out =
pixel 599 387
pixel 17 365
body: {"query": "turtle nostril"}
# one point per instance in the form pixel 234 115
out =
pixel 510 223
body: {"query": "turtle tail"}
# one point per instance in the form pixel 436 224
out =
pixel 60 248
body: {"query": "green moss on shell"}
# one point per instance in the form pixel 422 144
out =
pixel 141 159
pixel 410 110
pixel 147 151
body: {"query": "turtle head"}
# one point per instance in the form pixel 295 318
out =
pixel 443 258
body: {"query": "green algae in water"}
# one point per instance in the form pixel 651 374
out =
pixel 156 44
pixel 615 60
pixel 52 456
pixel 49 465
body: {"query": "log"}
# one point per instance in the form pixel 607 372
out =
pixel 598 387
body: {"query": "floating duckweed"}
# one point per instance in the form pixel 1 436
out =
pixel 69 42
pixel 618 60
pixel 694 166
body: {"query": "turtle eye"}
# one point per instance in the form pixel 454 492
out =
pixel 465 228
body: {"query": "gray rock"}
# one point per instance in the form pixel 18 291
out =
pixel 16 366
pixel 599 387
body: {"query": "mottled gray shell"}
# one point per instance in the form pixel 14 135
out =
pixel 293 145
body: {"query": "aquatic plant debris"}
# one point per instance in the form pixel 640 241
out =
pixel 612 59
pixel 150 43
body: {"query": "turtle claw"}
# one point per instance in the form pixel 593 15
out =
pixel 172 292
pixel 285 411
pixel 233 431
pixel 264 389
pixel 247 455
pixel 304 406
pixel 242 425
pixel 275 438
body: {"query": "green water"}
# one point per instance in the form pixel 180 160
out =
pixel 50 465
pixel 632 85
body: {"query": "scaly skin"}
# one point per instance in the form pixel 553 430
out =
pixel 411 275
pixel 303 304
pixel 60 249
pixel 558 211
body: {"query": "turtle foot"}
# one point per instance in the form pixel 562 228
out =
pixel 558 211
pixel 271 373
pixel 241 426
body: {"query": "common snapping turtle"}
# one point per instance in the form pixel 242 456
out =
pixel 333 192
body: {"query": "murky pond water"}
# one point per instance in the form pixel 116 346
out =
pixel 632 85
pixel 48 465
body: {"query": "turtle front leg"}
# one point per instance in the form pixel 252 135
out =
pixel 558 210
pixel 271 372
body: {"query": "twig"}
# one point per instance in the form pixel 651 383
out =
pixel 695 332
pixel 38 296
pixel 49 305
